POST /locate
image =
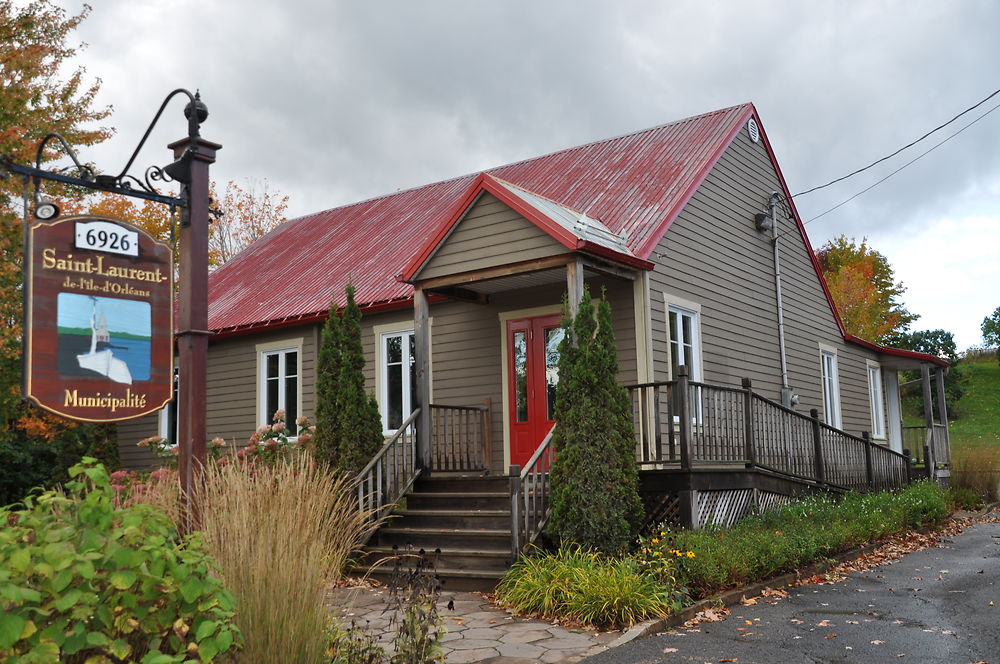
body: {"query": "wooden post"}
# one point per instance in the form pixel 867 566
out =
pixel 748 422
pixel 943 411
pixel 515 511
pixel 869 470
pixel 192 329
pixel 574 285
pixel 683 390
pixel 658 448
pixel 422 343
pixel 488 434
pixel 819 468
pixel 909 465
pixel 925 385
pixel 689 509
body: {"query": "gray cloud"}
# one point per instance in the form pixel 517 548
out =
pixel 337 101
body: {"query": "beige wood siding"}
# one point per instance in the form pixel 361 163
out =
pixel 131 432
pixel 714 256
pixel 490 234
pixel 231 391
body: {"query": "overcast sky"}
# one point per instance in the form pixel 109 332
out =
pixel 335 101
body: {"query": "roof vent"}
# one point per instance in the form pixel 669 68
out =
pixel 754 130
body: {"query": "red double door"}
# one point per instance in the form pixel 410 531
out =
pixel 532 374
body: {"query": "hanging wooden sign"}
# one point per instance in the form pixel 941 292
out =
pixel 98 319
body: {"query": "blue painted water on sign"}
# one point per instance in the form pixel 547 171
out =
pixel 135 353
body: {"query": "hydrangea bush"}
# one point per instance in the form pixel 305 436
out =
pixel 85 580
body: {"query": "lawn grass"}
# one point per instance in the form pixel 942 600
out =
pixel 978 424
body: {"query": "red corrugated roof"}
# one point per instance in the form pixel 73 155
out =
pixel 635 184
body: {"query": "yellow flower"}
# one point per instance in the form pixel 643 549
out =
pixel 690 554
pixel 662 533
pixel 657 553
pixel 656 540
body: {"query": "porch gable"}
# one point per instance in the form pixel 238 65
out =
pixel 489 234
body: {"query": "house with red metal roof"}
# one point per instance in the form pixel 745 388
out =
pixel 726 332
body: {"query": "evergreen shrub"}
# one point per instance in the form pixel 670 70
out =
pixel 595 498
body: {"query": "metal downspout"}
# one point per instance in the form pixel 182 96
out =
pixel 785 392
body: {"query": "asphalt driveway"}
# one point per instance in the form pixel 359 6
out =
pixel 939 605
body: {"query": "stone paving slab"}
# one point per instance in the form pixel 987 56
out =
pixel 476 630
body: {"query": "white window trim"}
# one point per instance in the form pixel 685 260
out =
pixel 270 347
pixel 163 416
pixel 686 306
pixel 876 400
pixel 380 331
pixel 832 416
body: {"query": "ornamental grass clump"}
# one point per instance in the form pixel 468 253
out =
pixel 281 531
pixel 584 586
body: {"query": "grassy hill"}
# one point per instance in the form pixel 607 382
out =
pixel 978 425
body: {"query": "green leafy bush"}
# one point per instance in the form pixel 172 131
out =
pixel 586 586
pixel 82 580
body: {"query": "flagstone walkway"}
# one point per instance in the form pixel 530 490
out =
pixel 477 631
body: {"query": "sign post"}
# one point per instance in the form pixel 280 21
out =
pixel 192 332
pixel 100 244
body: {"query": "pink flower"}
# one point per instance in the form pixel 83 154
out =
pixel 117 488
pixel 160 474
pixel 218 442
pixel 119 475
pixel 302 420
pixel 278 427
pixel 272 444
pixel 263 428
pixel 223 462
pixel 152 440
pixel 175 450
pixel 279 415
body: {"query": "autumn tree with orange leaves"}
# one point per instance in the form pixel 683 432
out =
pixel 246 214
pixel 864 288
pixel 37 96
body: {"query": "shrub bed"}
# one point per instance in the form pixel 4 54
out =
pixel 799 534
pixel 668 567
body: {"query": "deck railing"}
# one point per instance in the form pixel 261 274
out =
pixel 391 472
pixel 529 496
pixel 461 437
pixel 693 424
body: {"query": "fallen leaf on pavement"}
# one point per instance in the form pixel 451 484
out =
pixel 830 636
pixel 708 615
pixel 670 650
pixel 748 602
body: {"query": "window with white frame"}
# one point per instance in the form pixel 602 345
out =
pixel 397 377
pixel 279 385
pixel 831 388
pixel 877 400
pixel 684 341
pixel 167 426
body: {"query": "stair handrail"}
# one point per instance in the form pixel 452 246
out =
pixel 391 472
pixel 530 509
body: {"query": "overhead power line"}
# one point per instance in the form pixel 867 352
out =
pixel 919 156
pixel 908 145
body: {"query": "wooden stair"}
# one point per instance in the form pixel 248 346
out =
pixel 466 516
